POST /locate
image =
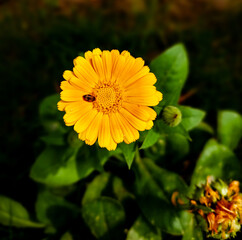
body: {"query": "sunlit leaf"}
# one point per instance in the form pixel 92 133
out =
pixel 171 70
pixel 143 230
pixel 96 187
pixel 191 117
pixel 14 214
pixel 150 139
pixel 105 217
pixel 66 236
pixel 59 166
pixel 216 160
pixel 128 152
pixel 192 230
pixel 229 128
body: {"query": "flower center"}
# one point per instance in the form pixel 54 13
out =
pixel 108 98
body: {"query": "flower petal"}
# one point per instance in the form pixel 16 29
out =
pixel 93 129
pixel 71 95
pixel 142 112
pixel 104 132
pixel 85 120
pixel 107 64
pixel 130 133
pixel 61 105
pixel 85 70
pixel 116 130
pixel 74 111
pixel 134 121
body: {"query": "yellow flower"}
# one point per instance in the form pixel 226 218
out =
pixel 107 97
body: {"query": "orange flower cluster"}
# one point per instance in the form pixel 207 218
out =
pixel 225 203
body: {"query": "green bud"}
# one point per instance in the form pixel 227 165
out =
pixel 172 116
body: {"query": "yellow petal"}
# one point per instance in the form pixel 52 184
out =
pixel 141 112
pixel 149 125
pixel 159 95
pixel 67 86
pixel 141 91
pixel 116 130
pixel 82 135
pixel 104 132
pixel 134 121
pixel 67 75
pixel 88 56
pixel 129 132
pixel 84 70
pixel 146 101
pixel 81 85
pixel 71 95
pixel 107 63
pixel 118 68
pixel 92 130
pixel 74 111
pixel 85 120
pixel 148 79
pixel 61 105
pixel 97 51
pixel 141 73
pixel 98 66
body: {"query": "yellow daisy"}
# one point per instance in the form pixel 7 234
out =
pixel 106 97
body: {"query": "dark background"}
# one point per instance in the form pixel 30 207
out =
pixel 39 40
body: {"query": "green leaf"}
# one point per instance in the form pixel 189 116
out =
pixel 59 166
pixel 171 70
pixel 55 211
pixel 14 214
pixel 229 128
pixel 66 236
pixel 105 217
pixel 154 187
pixel 191 117
pixel 192 230
pixel 216 160
pixel 151 138
pixel 51 118
pixel 128 152
pixel 96 187
pixel 143 230
pixel 177 147
pixel 163 128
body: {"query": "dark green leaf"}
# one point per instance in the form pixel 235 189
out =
pixel 128 152
pixel 54 210
pixel 191 117
pixel 171 70
pixel 177 147
pixel 216 160
pixel 150 139
pixel 229 128
pixel 143 230
pixel 154 188
pixel 105 217
pixel 14 214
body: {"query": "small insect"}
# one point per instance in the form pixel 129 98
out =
pixel 89 98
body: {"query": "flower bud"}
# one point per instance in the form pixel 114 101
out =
pixel 172 116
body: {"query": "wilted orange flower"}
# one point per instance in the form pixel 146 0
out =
pixel 107 97
pixel 225 219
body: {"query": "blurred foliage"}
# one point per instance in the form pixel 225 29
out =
pixel 39 40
